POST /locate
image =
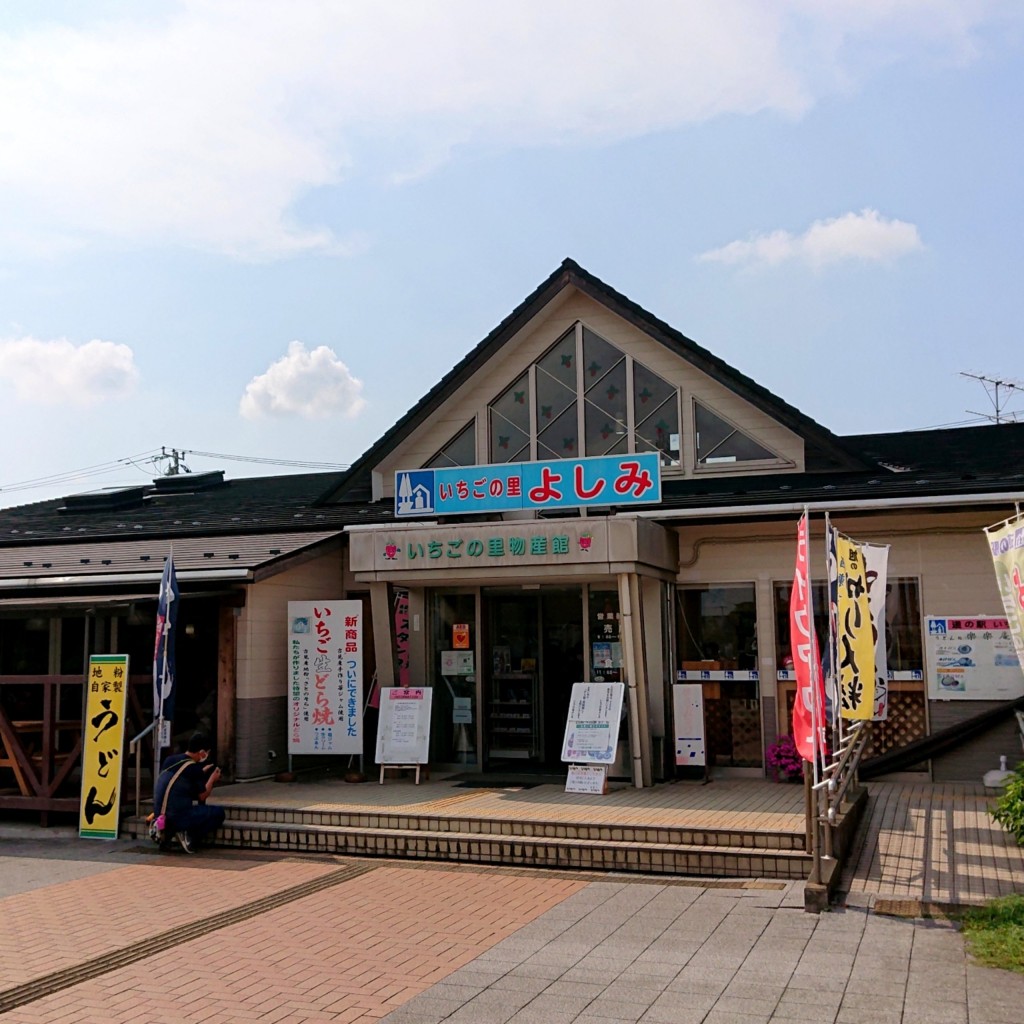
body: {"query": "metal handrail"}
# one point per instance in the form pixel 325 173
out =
pixel 135 747
pixel 825 798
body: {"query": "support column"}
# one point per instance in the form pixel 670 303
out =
pixel 226 688
pixel 632 694
pixel 383 641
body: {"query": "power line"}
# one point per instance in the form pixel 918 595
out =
pixel 145 461
pixel 98 469
pixel 294 463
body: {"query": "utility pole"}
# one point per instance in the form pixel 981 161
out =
pixel 176 461
pixel 999 392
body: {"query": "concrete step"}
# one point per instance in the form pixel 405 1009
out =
pixel 707 860
pixel 503 828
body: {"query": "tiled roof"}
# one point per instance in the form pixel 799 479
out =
pixel 243 556
pixel 959 451
pixel 249 505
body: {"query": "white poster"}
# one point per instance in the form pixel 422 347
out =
pixel 592 728
pixel 876 557
pixel 587 778
pixel 971 658
pixel 325 677
pixel 403 728
pixel 688 719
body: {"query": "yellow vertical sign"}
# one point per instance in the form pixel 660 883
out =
pixel 103 746
pixel 855 639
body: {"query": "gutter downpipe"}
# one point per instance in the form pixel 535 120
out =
pixel 626 632
pixel 187 576
pixel 797 508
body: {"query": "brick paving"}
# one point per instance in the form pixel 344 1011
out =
pixel 349 953
pixel 426 944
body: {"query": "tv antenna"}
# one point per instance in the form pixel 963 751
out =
pixel 1000 392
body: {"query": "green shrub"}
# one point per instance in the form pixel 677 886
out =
pixel 1009 808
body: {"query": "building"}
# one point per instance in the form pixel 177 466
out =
pixel 508 606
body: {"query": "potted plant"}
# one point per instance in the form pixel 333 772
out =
pixel 784 760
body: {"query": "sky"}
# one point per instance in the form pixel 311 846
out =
pixel 249 230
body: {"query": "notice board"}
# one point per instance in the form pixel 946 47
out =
pixel 688 724
pixel 592 727
pixel 971 657
pixel 403 728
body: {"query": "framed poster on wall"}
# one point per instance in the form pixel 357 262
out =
pixel 971 657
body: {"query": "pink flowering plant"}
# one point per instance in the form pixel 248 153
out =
pixel 784 760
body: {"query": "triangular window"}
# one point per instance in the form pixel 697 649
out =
pixel 585 397
pixel 459 451
pixel 719 443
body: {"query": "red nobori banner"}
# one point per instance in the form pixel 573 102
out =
pixel 809 705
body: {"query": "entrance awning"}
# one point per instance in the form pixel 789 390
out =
pixel 534 550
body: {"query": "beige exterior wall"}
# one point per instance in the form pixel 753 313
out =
pixel 472 398
pixel 945 552
pixel 263 625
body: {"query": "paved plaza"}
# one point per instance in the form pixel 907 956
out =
pixel 115 932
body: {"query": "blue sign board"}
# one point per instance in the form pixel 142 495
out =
pixel 563 483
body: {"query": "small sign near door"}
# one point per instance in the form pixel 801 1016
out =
pixel 460 636
pixel 587 778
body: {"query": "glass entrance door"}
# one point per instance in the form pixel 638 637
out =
pixel 453 652
pixel 533 653
pixel 513 724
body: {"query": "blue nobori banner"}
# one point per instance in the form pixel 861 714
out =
pixel 563 483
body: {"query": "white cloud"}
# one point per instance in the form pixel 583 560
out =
pixel 204 123
pixel 58 372
pixel 866 236
pixel 313 385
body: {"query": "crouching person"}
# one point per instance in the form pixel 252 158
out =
pixel 182 789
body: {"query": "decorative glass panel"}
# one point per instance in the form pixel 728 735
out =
pixel 598 358
pixel 510 423
pixel 459 451
pixel 559 362
pixel 606 435
pixel 553 398
pixel 560 440
pixel 719 442
pixel 656 412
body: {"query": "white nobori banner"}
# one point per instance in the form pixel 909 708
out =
pixel 325 677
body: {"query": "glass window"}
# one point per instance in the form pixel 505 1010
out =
pixel 783 654
pixel 902 624
pixel 459 451
pixel 510 423
pixel 605 636
pixel 719 625
pixel 605 413
pixel 718 634
pixel 453 678
pixel 552 406
pixel 719 442
pixel 656 408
